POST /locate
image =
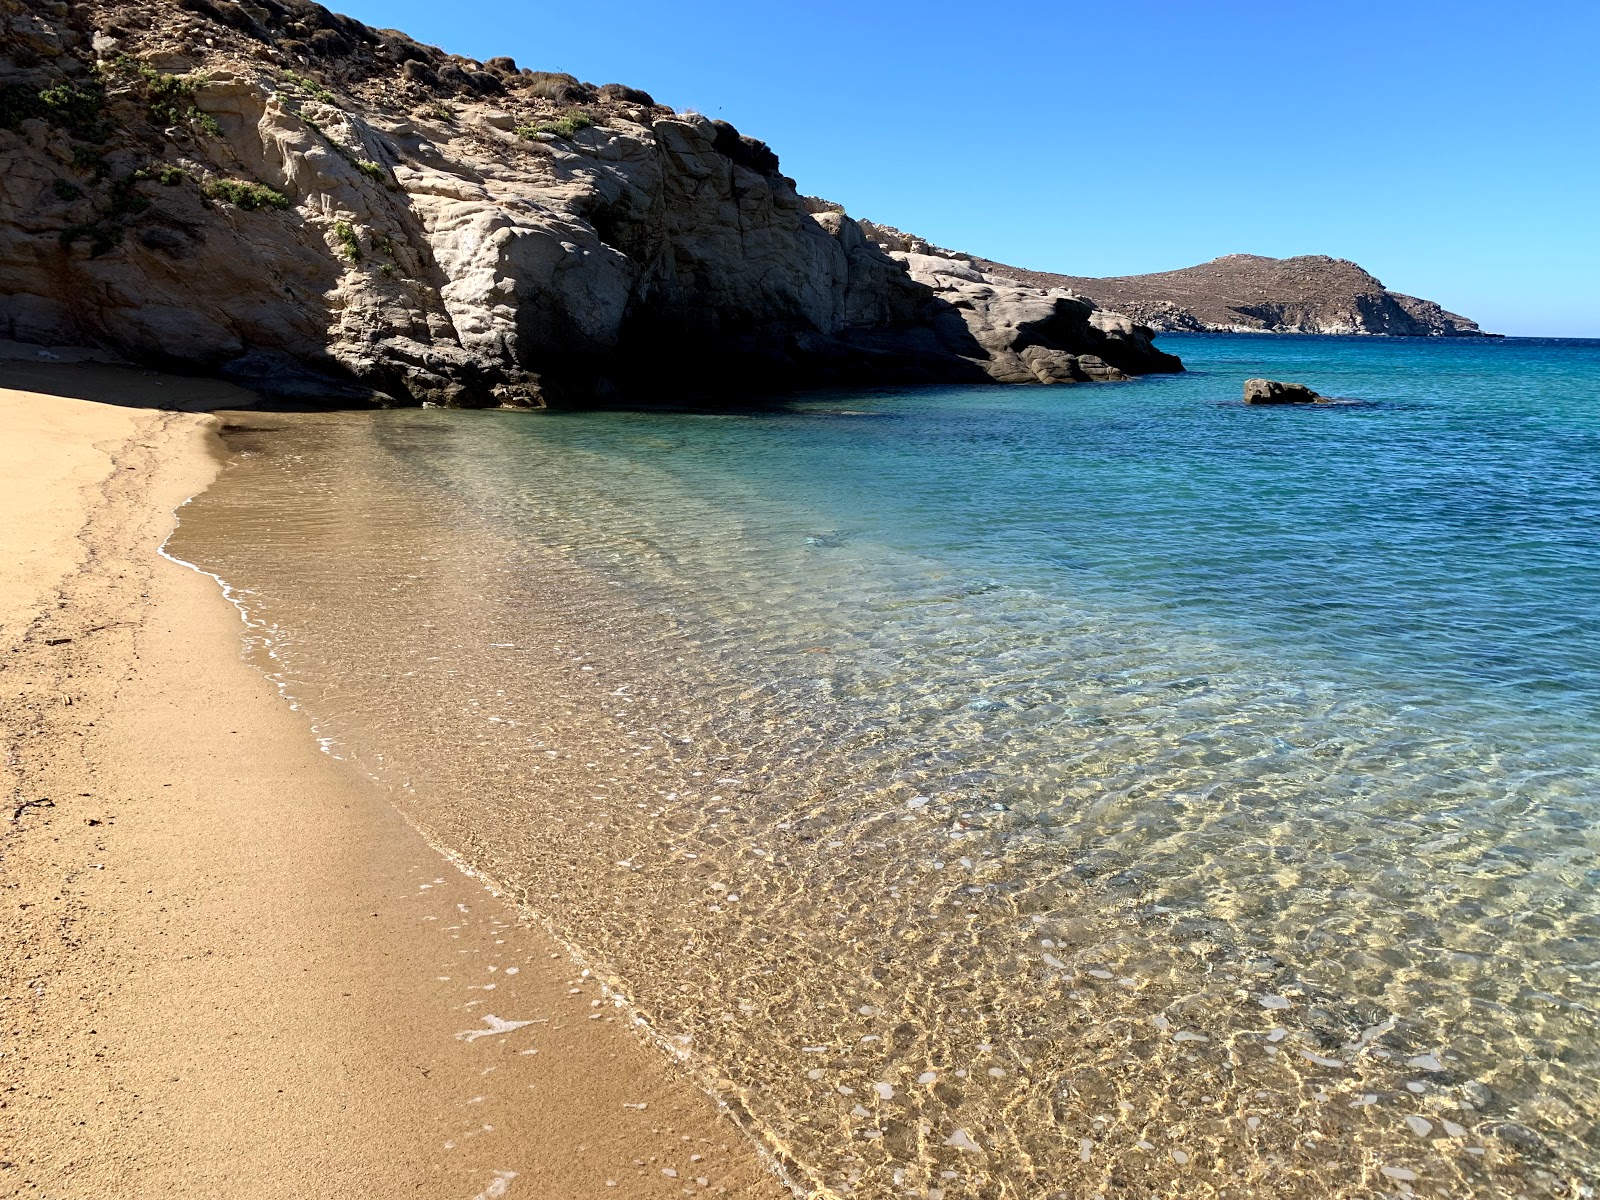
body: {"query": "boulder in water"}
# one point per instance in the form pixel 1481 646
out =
pixel 1273 391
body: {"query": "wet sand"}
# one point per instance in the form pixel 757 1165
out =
pixel 228 965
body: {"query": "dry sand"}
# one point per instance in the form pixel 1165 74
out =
pixel 228 966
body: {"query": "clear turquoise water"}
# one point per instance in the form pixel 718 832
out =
pixel 1123 790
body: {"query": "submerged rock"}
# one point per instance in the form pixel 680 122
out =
pixel 1272 391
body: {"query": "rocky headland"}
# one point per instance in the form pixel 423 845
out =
pixel 285 196
pixel 1237 293
pixel 1249 293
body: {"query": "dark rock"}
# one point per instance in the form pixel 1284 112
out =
pixel 1272 391
pixel 626 95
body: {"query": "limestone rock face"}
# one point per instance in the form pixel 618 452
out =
pixel 1273 391
pixel 1030 334
pixel 289 197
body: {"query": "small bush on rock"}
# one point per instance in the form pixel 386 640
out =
pixel 309 86
pixel 349 244
pixel 566 125
pixel 244 195
pixel 558 86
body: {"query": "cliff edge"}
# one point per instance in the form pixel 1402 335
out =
pixel 291 198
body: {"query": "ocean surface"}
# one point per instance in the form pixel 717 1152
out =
pixel 1107 790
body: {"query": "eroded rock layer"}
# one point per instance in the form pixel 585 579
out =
pixel 282 194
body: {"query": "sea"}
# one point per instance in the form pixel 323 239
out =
pixel 1095 791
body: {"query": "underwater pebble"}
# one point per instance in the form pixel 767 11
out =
pixel 1273 1001
pixel 961 1140
pixel 1320 1060
pixel 1403 1174
pixel 1425 1062
pixel 1420 1126
pixel 885 1090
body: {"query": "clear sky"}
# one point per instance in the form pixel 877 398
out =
pixel 1453 149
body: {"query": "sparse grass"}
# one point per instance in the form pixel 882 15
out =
pixel 309 86
pixel 349 244
pixel 244 195
pixel 387 270
pixel 566 125
pixel 440 112
pixel 372 170
pixel 172 176
pixel 170 98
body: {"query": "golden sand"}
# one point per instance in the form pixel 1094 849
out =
pixel 228 965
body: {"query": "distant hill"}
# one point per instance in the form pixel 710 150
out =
pixel 1248 293
pixel 1237 293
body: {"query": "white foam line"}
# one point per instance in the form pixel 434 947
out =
pixel 675 1051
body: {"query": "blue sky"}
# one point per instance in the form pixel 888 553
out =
pixel 1451 149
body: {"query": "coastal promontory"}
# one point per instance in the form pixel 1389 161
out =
pixel 292 199
pixel 1250 293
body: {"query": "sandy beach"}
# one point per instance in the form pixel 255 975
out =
pixel 229 965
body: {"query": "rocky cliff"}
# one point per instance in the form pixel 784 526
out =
pixel 1247 293
pixel 289 197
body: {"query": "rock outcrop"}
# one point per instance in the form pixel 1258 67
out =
pixel 1247 293
pixel 1274 391
pixel 273 191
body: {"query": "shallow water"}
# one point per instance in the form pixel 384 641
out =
pixel 1013 791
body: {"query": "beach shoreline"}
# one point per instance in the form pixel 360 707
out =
pixel 231 964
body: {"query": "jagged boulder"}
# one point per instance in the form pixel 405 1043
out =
pixel 1043 335
pixel 1273 391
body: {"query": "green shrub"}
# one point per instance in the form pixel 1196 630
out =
pixel 441 112
pixel 244 195
pixel 65 189
pixel 564 126
pixel 125 199
pixel 66 105
pixel 172 176
pixel 73 107
pixel 170 98
pixel 92 161
pixel 371 169
pixel 349 244
pixel 309 86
